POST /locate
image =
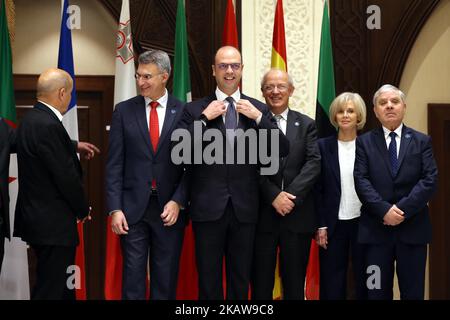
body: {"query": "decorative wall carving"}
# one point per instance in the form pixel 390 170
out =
pixel 301 31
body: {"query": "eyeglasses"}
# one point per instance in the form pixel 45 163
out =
pixel 224 66
pixel 146 77
pixel 270 87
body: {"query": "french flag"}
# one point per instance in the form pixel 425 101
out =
pixel 70 122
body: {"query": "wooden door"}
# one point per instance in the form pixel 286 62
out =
pixel 439 129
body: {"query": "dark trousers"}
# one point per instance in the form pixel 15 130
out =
pixel 214 239
pixel 334 263
pixel 294 253
pixel 52 273
pixel 410 266
pixel 149 240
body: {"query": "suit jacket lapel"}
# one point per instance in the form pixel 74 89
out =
pixel 169 119
pixel 217 122
pixel 243 120
pixel 334 155
pixel 404 143
pixel 380 142
pixel 293 125
pixel 141 118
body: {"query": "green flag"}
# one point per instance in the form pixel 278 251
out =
pixel 181 76
pixel 7 104
pixel 326 91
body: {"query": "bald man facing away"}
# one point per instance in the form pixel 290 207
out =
pixel 51 197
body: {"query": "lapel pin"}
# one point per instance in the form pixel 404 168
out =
pixel 296 123
pixel 173 111
pixel 407 136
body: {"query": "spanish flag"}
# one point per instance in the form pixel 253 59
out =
pixel 278 61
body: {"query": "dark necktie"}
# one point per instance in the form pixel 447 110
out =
pixel 230 121
pixel 393 153
pixel 154 130
pixel 230 116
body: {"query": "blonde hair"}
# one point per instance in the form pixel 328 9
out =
pixel 341 100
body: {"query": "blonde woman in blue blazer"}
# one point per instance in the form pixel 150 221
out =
pixel 338 206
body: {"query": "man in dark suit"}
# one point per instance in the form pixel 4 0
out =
pixel 6 146
pixel 51 197
pixel 286 214
pixel 224 195
pixel 143 190
pixel 395 176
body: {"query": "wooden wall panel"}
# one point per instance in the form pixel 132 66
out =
pixel 365 59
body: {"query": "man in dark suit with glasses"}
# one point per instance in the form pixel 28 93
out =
pixel 224 195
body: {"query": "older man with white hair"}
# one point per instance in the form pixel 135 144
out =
pixel 395 177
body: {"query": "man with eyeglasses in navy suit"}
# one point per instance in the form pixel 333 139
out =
pixel 224 196
pixel 143 193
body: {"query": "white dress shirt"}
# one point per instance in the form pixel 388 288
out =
pixel 283 120
pixel 349 206
pixel 160 109
pixel 222 97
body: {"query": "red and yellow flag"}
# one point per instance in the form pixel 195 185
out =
pixel 279 61
pixel 279 57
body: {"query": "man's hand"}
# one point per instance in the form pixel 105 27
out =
pixel 322 238
pixel 394 216
pixel 87 150
pixel 119 223
pixel 247 109
pixel 283 203
pixel 170 213
pixel 215 109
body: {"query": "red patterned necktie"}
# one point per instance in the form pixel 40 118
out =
pixel 154 130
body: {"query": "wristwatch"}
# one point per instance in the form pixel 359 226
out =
pixel 204 119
